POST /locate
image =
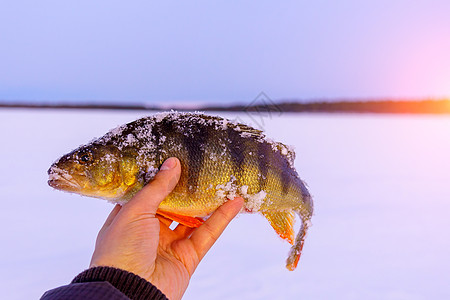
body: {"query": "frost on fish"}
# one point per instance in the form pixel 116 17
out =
pixel 231 190
pixel 220 159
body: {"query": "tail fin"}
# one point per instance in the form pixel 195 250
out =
pixel 305 212
pixel 296 249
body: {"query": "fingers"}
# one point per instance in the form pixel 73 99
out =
pixel 206 235
pixel 148 199
pixel 183 231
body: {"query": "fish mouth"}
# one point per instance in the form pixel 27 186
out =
pixel 61 179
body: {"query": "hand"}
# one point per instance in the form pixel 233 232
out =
pixel 135 240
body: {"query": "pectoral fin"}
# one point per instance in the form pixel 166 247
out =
pixel 185 220
pixel 283 223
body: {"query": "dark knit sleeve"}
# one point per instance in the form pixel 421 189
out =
pixel 132 285
pixel 106 283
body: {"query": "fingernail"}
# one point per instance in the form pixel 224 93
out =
pixel 169 164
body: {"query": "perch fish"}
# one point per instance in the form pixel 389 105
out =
pixel 219 159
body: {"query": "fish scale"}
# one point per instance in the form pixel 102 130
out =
pixel 219 159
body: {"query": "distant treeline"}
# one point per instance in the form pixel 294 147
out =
pixel 396 107
pixel 385 106
pixel 107 106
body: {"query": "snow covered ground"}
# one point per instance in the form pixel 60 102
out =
pixel 380 229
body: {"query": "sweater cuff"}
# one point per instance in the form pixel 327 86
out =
pixel 132 285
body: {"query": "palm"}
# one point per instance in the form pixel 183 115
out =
pixel 176 259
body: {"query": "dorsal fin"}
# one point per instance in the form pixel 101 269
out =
pixel 247 130
pixel 287 151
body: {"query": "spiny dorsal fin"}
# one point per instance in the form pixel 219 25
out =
pixel 247 130
pixel 283 223
pixel 287 151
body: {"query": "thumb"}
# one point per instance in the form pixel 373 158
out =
pixel 148 199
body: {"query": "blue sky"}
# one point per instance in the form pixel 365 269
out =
pixel 223 51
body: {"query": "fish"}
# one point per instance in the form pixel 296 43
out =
pixel 220 159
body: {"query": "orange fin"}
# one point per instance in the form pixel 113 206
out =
pixel 283 223
pixel 185 220
pixel 296 250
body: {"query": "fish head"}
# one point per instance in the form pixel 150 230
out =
pixel 101 171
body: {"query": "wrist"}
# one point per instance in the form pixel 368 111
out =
pixel 130 284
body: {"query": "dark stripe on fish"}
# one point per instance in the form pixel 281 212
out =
pixel 264 151
pixel 195 144
pixel 236 147
pixel 158 129
pixel 285 180
pixel 306 196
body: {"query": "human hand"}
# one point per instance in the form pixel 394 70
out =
pixel 135 240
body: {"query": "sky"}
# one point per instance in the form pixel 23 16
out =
pixel 223 51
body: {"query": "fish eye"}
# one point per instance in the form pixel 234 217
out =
pixel 85 157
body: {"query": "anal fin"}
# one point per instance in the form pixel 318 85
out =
pixel 283 223
pixel 185 220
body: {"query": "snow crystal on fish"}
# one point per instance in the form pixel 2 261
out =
pixel 255 201
pixel 150 173
pixel 118 130
pixel 230 191
pixel 246 134
pixel 131 139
